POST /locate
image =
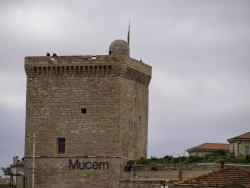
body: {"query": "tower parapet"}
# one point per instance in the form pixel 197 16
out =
pixel 100 65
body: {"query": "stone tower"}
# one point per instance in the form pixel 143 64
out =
pixel 89 115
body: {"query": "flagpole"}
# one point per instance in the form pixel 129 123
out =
pixel 129 30
pixel 128 37
pixel 33 165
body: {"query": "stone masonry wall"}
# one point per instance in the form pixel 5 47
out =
pixel 134 121
pixel 54 108
pixel 238 146
pixel 58 89
pixel 55 173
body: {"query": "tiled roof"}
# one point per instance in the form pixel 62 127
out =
pixel 211 146
pixel 242 136
pixel 220 177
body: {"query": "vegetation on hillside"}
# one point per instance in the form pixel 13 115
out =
pixel 210 158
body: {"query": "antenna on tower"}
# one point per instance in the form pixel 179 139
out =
pixel 128 37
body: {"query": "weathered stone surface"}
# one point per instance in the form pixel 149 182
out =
pixel 113 90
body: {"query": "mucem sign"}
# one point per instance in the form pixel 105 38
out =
pixel 88 165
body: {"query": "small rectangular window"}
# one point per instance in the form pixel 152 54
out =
pixel 61 145
pixel 83 110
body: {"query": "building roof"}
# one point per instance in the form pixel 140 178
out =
pixel 242 136
pixel 211 146
pixel 4 181
pixel 220 177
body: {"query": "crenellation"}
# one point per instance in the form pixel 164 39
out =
pixel 106 70
pixel 84 60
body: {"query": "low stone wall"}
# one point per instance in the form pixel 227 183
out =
pixel 186 167
pixel 144 177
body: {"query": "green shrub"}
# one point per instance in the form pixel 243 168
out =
pixel 210 158
pixel 168 157
pixel 143 161
pixel 221 152
pixel 193 159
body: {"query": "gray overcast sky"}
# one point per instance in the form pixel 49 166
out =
pixel 199 52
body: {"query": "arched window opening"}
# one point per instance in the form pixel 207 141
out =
pixel 246 150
